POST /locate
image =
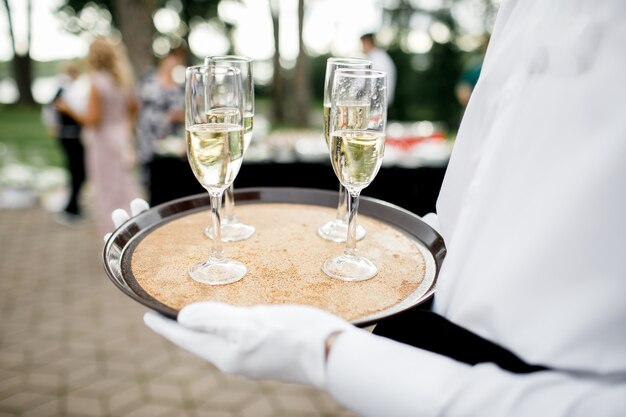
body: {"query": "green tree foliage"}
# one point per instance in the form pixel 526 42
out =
pixel 427 85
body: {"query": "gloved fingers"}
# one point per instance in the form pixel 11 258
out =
pixel 164 326
pixel 138 205
pixel 432 220
pixel 208 316
pixel 234 325
pixel 119 216
pixel 298 316
pixel 192 340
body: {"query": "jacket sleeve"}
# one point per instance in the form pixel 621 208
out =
pixel 374 376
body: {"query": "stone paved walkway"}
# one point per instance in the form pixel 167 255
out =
pixel 71 344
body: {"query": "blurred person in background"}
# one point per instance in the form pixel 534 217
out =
pixel 381 61
pixel 67 130
pixel 161 134
pixel 107 129
pixel 470 75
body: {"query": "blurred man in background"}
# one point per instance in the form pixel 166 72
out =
pixel 68 131
pixel 381 61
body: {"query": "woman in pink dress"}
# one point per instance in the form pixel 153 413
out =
pixel 107 131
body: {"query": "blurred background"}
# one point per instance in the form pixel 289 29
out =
pixel 70 343
pixel 434 44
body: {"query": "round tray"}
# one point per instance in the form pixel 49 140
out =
pixel 119 248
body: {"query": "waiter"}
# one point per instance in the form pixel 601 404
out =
pixel 533 284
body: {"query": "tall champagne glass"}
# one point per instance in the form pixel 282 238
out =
pixel 337 229
pixel 215 147
pixel 356 153
pixel 232 229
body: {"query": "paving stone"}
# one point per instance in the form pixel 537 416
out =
pixel 124 398
pixel 201 386
pixel 116 368
pixel 295 404
pixel 102 386
pixel 71 344
pixel 180 374
pixel 153 410
pixel 326 404
pixel 51 353
pixel 207 412
pixel 11 359
pixel 44 382
pixel 48 409
pixel 10 380
pixel 23 401
pixel 87 406
pixel 259 407
pixel 228 399
pixel 165 393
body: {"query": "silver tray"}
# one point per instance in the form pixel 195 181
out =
pixel 119 248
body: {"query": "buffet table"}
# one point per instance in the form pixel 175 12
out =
pixel 411 175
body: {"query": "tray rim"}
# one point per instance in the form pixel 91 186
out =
pixel 137 227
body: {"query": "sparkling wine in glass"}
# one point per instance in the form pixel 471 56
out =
pixel 354 112
pixel 214 127
pixel 232 229
pixel 356 153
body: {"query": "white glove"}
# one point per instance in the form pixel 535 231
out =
pixel 119 216
pixel 432 220
pixel 281 342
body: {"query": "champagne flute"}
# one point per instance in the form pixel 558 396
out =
pixel 232 229
pixel 215 146
pixel 337 229
pixel 356 153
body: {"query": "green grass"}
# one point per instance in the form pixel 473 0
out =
pixel 26 138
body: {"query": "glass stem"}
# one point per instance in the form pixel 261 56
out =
pixel 342 207
pixel 229 204
pixel 217 253
pixel 353 206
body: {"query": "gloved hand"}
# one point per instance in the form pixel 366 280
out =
pixel 432 220
pixel 281 342
pixel 119 216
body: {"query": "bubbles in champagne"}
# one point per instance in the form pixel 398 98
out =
pixel 327 125
pixel 356 156
pixel 215 152
pixel 228 115
pixel 348 115
pixel 352 115
pixel 248 122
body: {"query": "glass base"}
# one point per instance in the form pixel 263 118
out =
pixel 337 231
pixel 350 268
pixel 217 273
pixel 233 231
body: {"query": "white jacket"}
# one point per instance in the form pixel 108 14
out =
pixel 533 213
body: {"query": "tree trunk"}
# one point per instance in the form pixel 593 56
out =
pixel 134 18
pixel 22 72
pixel 22 67
pixel 229 29
pixel 301 81
pixel 278 88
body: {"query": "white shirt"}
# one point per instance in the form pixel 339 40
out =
pixel 533 213
pixel 381 61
